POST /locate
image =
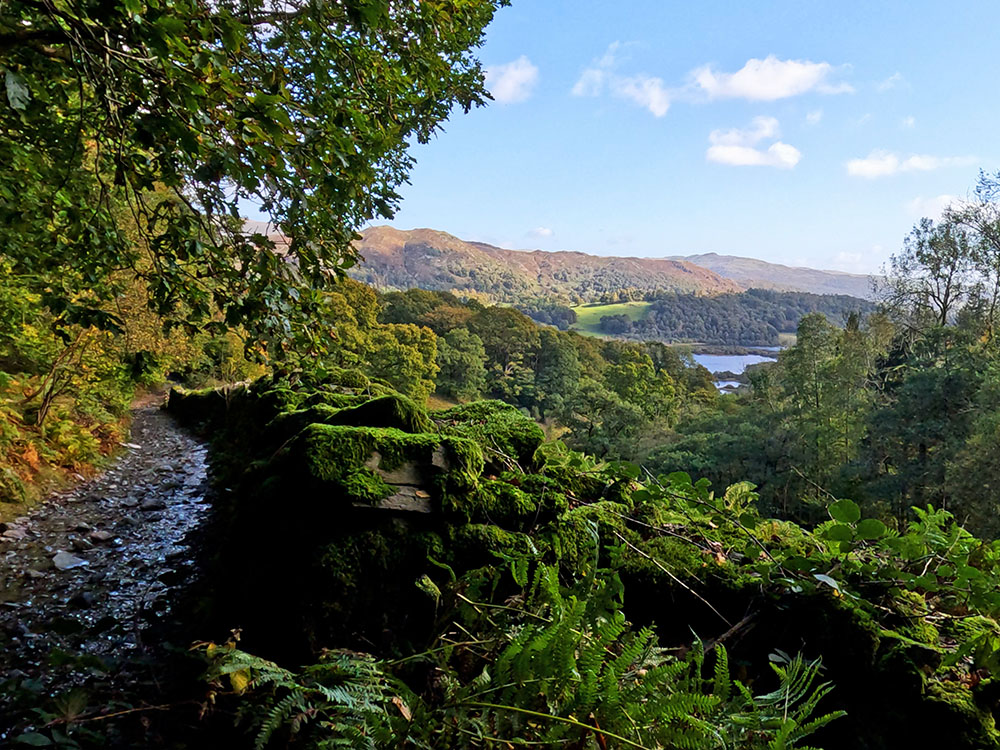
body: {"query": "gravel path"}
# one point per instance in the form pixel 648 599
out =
pixel 85 574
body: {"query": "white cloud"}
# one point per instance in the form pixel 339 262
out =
pixel 908 122
pixel 513 81
pixel 884 163
pixel 541 232
pixel 590 83
pixel 768 79
pixel 739 148
pixel 893 81
pixel 932 208
pixel 814 117
pixel 779 155
pixel 646 91
pixel 760 128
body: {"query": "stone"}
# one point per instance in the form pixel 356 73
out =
pixel 408 499
pixel 15 532
pixel 82 600
pixel 440 460
pixel 66 561
pixel 83 526
pixel 100 535
pixel 408 473
pixel 153 503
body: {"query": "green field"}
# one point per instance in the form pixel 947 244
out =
pixel 588 317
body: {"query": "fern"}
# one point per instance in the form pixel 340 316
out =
pixel 563 669
pixel 345 700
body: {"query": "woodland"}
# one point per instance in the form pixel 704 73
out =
pixel 431 522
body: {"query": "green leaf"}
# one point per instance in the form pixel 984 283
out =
pixel 845 511
pixel 838 533
pixel 34 739
pixel 17 91
pixel 870 528
pixel 823 578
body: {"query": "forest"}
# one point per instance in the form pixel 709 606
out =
pixel 751 318
pixel 408 519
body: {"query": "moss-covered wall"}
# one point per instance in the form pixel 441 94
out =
pixel 311 554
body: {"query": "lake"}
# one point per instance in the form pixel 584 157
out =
pixel 734 363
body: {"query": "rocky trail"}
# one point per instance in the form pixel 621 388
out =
pixel 88 574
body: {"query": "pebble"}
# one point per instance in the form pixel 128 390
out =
pixel 66 561
pixel 82 600
pixel 153 503
pixel 112 554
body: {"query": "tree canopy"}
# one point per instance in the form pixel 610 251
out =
pixel 178 113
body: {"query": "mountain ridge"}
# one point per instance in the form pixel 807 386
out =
pixel 432 259
pixel 761 274
pixel 436 260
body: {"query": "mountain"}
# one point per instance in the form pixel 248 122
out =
pixel 425 258
pixel 752 273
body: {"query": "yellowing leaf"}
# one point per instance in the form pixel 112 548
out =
pixel 403 708
pixel 240 680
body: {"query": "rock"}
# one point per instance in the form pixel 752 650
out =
pixel 82 600
pixel 15 532
pixel 83 526
pixel 130 520
pixel 81 545
pixel 440 460
pixel 32 573
pixel 66 561
pixel 407 499
pixel 101 536
pixel 153 503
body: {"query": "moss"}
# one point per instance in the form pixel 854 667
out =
pixel 393 410
pixel 493 501
pixel 504 432
pixel 952 711
pixel 478 544
pixel 338 454
pixel 335 400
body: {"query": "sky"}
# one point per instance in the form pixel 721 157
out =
pixel 807 133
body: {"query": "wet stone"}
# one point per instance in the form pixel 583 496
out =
pixel 153 503
pixel 67 561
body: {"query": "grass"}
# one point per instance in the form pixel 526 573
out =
pixel 437 401
pixel 588 317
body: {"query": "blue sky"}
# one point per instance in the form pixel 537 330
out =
pixel 810 133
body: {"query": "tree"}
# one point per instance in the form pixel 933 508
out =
pixel 981 217
pixel 932 277
pixel 602 422
pixel 557 370
pixel 461 361
pixel 508 335
pixel 178 112
pixel 404 355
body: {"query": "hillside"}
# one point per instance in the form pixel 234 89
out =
pixel 428 259
pixel 752 273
